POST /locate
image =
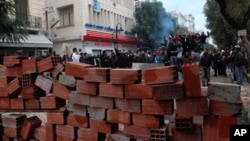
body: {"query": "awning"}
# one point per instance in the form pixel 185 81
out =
pixel 33 41
pixel 108 37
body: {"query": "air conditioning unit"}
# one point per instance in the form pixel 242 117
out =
pixel 51 9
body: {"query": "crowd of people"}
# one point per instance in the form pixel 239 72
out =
pixel 178 50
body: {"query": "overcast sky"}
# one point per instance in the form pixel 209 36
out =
pixel 194 7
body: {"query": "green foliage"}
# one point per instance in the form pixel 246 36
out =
pixel 153 23
pixel 223 34
pixel 225 17
pixel 11 30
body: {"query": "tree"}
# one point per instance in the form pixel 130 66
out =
pixel 237 15
pixel 11 29
pixel 223 34
pixel 153 23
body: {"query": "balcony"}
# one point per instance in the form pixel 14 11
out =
pixel 30 21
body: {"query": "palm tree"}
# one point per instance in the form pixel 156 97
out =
pixel 11 29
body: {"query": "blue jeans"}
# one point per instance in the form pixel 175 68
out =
pixel 239 73
pixel 173 60
pixel 205 75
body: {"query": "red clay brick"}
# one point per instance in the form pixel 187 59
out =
pixel 13 86
pixel 12 132
pixel 14 71
pixel 86 134
pixel 90 88
pixel 77 121
pixel 51 102
pixel 97 113
pixel 44 83
pixel 17 103
pixel 57 70
pixel 44 65
pixel 50 132
pixel 137 131
pixel 40 133
pixel 216 128
pixel 78 98
pixel 101 102
pixel 103 126
pixel 157 107
pixel 56 117
pixel 76 109
pixel 159 75
pixel 10 61
pixel 26 81
pixel 192 107
pixel 211 128
pixel 28 127
pixel 60 90
pixel 118 116
pixel 66 131
pixel 64 138
pixel 195 135
pixel 76 69
pixel 97 75
pixel 3 87
pixel 29 66
pixel 111 90
pixel 125 76
pixel 5 103
pixel 191 77
pixel 224 108
pixel 138 91
pixel 168 91
pixel 32 104
pixel 13 120
pixel 56 60
pixel 3 71
pixel 225 123
pixel 27 93
pixel 148 121
pixel 129 105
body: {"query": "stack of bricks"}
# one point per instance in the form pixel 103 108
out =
pixel 24 85
pixel 117 104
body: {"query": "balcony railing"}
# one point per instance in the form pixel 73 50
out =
pixel 30 21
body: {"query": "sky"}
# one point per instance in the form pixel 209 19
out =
pixel 194 7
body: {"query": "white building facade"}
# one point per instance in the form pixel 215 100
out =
pixel 31 13
pixel 91 25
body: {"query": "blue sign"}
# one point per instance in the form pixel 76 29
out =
pixel 97 6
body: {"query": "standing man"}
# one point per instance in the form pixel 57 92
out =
pixel 203 38
pixel 75 55
pixel 239 64
pixel 123 60
pixel 205 64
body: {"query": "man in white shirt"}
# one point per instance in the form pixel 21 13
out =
pixel 75 55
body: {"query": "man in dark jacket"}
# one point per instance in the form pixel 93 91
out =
pixel 123 60
pixel 239 62
pixel 205 64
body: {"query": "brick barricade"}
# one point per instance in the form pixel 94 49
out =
pixel 89 103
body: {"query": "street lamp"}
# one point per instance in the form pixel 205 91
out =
pixel 117 30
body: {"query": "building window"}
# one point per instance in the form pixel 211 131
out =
pixel 66 16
